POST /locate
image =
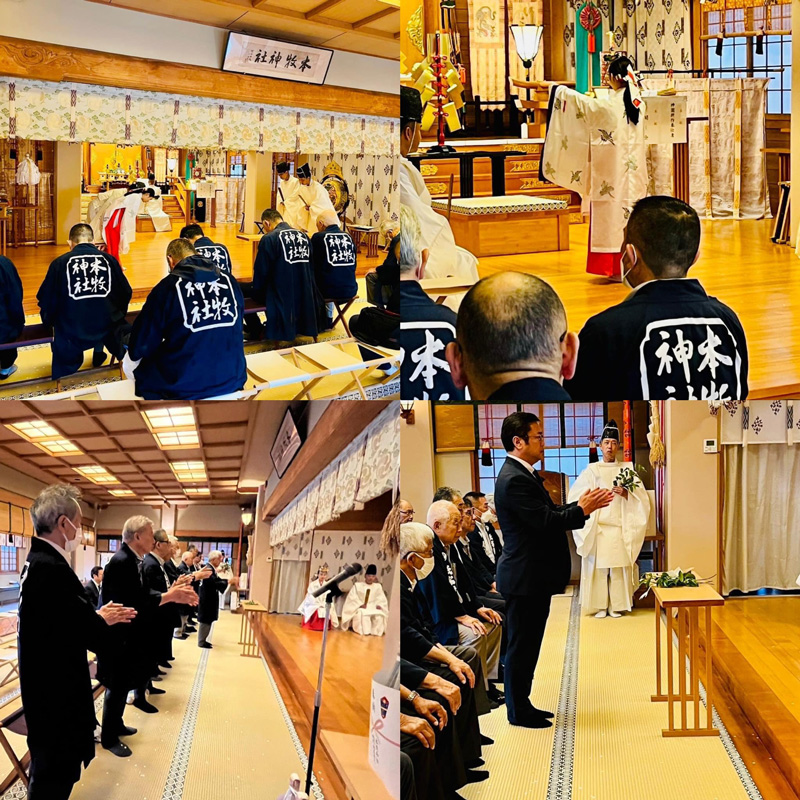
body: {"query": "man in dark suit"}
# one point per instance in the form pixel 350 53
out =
pixel 187 567
pixel 210 590
pixel 57 625
pixel 536 562
pixel 92 586
pixel 127 665
pixel 484 538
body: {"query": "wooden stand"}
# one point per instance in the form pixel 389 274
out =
pixel 687 601
pixel 247 634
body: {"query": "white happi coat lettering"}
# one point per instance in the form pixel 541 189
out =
pixel 295 246
pixel 215 253
pixel 340 251
pixel 88 277
pixel 208 305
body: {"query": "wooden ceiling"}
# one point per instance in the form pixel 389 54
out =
pixel 371 27
pixel 115 436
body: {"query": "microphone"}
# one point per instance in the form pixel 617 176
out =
pixel 348 572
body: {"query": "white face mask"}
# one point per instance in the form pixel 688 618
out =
pixel 425 569
pixel 71 545
pixel 625 273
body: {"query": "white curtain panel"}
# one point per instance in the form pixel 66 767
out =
pixel 288 586
pixel 761 520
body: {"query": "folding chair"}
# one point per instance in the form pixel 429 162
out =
pixel 342 306
pixel 16 723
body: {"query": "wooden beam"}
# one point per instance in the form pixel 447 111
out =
pixel 374 17
pixel 23 58
pixel 336 429
pixel 316 11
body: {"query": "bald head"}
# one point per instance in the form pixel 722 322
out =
pixel 512 323
pixel 178 249
pixel 326 219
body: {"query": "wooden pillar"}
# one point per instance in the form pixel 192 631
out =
pixel 67 188
pixel 795 135
pixel 555 65
pixel 257 188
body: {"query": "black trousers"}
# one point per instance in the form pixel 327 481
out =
pixel 408 791
pixel 526 619
pixel 426 769
pixel 52 775
pixel 7 358
pixel 113 709
pixel 68 355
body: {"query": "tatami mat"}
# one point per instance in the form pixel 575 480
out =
pixel 619 752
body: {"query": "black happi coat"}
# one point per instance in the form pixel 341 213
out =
pixel 426 328
pixel 189 335
pixel 210 590
pixel 334 255
pixel 536 558
pixel 217 254
pixel 57 626
pixel 668 340
pixel 284 282
pixel 12 317
pixel 127 665
pixel 84 296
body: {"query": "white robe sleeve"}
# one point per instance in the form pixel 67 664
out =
pixel 635 515
pixel 355 599
pixel 584 537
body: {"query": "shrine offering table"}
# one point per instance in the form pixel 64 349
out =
pixel 466 160
pixel 250 609
pixel 687 602
pixel 483 225
pixel 254 239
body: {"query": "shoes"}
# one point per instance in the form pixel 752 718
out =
pixel 171 658
pixel 154 690
pixel 485 740
pixel 7 373
pixel 166 666
pixel 190 629
pixel 475 763
pixel 157 677
pixel 98 359
pixel 206 646
pixel 545 714
pixel 614 614
pixel 601 614
pixel 496 696
pixel 130 698
pixel 143 705
pixel 477 775
pixel 119 749
pixel 159 672
pixel 493 704
pixel 180 636
pixel 532 722
pixel 128 731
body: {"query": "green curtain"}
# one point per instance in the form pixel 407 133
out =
pixel 582 54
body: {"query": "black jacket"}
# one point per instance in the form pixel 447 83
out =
pixel 92 592
pixel 530 390
pixel 334 257
pixel 158 579
pixel 669 327
pixel 127 665
pixel 536 558
pixel 482 579
pixel 57 625
pixel 449 595
pixel 284 282
pixel 426 329
pixel 188 335
pixel 210 590
pixel 217 254
pixel 479 548
pixel 389 278
pixel 84 295
pixel 12 316
pixel 417 637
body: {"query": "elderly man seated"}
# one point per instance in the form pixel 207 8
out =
pixel 458 616
pixel 333 255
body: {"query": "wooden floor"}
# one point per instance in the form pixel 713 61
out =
pixel 146 263
pixel 738 264
pixel 756 643
pixel 351 661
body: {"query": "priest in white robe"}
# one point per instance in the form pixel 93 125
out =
pixel 313 608
pixel 445 257
pixel 287 189
pixel 307 204
pixel 610 542
pixel 366 608
pixel 596 147
pixel 153 207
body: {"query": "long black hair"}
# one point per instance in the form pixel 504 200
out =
pixel 618 68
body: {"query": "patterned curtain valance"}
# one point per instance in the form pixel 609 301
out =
pixel 365 470
pixel 85 113
pixel 759 422
pixel 718 5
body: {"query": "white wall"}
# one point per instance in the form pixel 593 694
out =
pixel 454 470
pixel 76 23
pixel 114 517
pixel 209 518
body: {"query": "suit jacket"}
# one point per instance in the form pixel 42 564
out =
pixel 92 592
pixel 478 548
pixel 57 625
pixel 536 558
pixel 12 315
pixel 481 578
pixel 155 578
pixel 449 593
pixel 417 637
pixel 210 590
pixel 411 675
pixel 127 665
pixel 173 573
pixel 530 390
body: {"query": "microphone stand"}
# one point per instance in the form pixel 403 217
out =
pixel 318 694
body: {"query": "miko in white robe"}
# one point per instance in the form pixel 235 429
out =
pixel 610 542
pixel 154 209
pixel 131 203
pixel 316 605
pixel 96 216
pixel 592 149
pixel 366 609
pixel 445 257
pixel 304 207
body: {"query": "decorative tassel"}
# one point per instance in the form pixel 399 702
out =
pixel 718 48
pixel 592 43
pixel 760 45
pixel 486 454
pixel 593 459
pixel 658 453
pixel 627 437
